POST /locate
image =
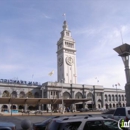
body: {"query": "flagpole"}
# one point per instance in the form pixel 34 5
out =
pixel 64 16
pixel 117 96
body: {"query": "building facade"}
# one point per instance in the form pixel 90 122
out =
pixel 66 86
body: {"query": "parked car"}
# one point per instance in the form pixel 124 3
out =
pixel 42 125
pixel 122 112
pixel 109 113
pixel 7 126
pixel 83 123
pixel 84 110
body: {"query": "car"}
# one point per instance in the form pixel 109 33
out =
pixel 83 123
pixel 84 110
pixel 122 113
pixel 42 125
pixel 7 126
pixel 109 113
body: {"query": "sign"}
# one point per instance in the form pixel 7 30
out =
pixel 123 124
pixel 19 82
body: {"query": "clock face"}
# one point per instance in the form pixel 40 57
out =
pixel 60 61
pixel 69 60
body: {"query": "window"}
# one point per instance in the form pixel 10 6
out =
pixel 120 112
pixel 93 125
pixel 69 126
pixel 67 33
pixel 129 112
pixel 55 125
pixel 110 125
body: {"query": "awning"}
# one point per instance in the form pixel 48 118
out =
pixel 6 100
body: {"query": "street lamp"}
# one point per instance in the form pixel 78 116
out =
pixel 62 80
pixel 11 89
pixel 117 96
pixel 124 51
pixel 93 97
pixel 42 88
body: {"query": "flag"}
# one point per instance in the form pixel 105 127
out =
pixel 51 73
pixel 64 14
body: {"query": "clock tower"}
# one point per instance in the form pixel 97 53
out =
pixel 66 57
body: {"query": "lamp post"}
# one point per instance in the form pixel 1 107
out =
pixel 93 97
pixel 117 96
pixel 42 88
pixel 11 99
pixel 62 80
pixel 94 104
pixel 124 51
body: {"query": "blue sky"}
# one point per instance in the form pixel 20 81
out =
pixel 30 29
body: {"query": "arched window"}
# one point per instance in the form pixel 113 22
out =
pixel 14 94
pixel 109 97
pixel 90 95
pixel 5 94
pixel 106 98
pixel 113 99
pixel 66 95
pixel 78 95
pixel 36 95
pixel 116 97
pixel 30 95
pixel 119 97
pixel 113 105
pixel 122 97
pixel 22 94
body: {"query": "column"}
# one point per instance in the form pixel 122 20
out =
pixel 103 101
pixel 39 106
pixel 25 107
pixel 96 105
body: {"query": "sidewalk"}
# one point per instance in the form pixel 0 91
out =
pixel 49 114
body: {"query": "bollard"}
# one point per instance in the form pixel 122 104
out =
pixel 26 124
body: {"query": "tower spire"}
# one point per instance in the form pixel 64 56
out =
pixel 65 26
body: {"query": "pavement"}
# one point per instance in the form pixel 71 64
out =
pixel 17 118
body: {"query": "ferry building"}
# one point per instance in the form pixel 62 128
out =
pixel 66 88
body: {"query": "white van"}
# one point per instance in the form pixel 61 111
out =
pixel 122 113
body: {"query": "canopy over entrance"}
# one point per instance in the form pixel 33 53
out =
pixel 8 100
